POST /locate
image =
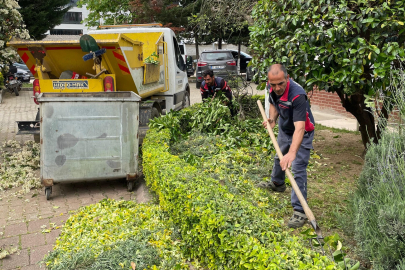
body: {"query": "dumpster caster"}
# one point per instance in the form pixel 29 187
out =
pixel 130 185
pixel 48 192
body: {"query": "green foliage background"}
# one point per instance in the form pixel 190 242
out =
pixel 348 47
pixel 42 15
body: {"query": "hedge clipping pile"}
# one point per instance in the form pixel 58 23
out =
pixel 199 162
pixel 117 235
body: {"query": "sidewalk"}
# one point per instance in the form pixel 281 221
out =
pixel 335 121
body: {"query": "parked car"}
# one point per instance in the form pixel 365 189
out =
pixel 190 66
pixel 221 62
pixel 244 60
pixel 23 67
pixel 22 75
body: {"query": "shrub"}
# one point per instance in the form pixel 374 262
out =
pixel 378 206
pixel 225 221
pixel 377 210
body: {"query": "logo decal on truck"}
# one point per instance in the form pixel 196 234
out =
pixel 70 85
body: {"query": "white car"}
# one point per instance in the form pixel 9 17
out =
pixel 22 75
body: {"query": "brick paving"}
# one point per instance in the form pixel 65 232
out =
pixel 23 218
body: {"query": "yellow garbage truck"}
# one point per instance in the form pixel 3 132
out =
pixel 145 59
pixel 86 89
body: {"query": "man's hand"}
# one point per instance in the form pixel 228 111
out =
pixel 270 121
pixel 287 160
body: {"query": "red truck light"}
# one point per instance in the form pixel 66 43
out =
pixel 36 89
pixel 108 84
pixel 201 64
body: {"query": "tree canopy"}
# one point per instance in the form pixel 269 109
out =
pixel 347 47
pixel 42 15
pixel 166 12
pixel 226 20
pixel 11 25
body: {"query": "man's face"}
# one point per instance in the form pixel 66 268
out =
pixel 278 82
pixel 209 80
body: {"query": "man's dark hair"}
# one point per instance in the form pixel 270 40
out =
pixel 208 72
pixel 279 67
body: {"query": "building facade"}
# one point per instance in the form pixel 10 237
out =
pixel 72 21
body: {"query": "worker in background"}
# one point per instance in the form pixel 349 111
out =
pixel 212 84
pixel 288 102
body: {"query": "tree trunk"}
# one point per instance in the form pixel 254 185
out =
pixel 220 43
pixel 355 105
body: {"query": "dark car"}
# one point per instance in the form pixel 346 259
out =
pixel 221 62
pixel 189 66
pixel 244 60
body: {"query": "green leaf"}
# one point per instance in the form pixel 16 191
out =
pixel 356 266
pixel 368 20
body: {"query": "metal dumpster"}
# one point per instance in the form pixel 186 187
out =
pixel 88 136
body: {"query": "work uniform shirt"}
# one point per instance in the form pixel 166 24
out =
pixel 209 91
pixel 292 107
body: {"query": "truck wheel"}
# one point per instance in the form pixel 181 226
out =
pixel 16 91
pixel 186 100
pixel 198 84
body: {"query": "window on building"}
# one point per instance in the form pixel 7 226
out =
pixel 66 31
pixel 72 17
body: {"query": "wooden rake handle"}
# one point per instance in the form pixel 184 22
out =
pixel 294 185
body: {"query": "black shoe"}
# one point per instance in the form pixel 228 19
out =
pixel 272 186
pixel 297 220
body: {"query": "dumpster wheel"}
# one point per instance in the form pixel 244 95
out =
pixel 130 185
pixel 48 192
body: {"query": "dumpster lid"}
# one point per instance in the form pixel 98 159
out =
pixel 90 97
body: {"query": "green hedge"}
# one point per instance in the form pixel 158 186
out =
pixel 219 228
